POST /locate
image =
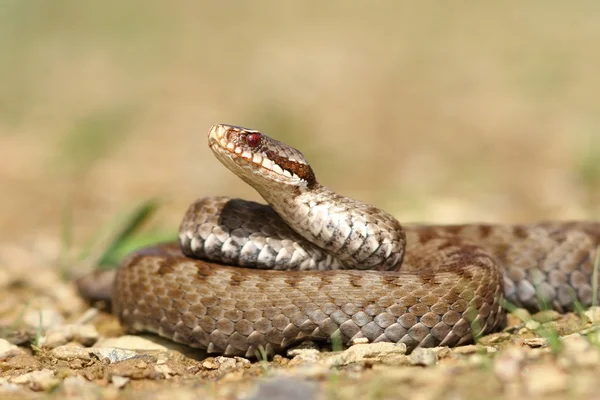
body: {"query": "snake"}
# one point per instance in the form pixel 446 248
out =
pixel 315 265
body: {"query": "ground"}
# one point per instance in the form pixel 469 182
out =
pixel 56 346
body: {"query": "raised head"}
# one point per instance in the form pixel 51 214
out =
pixel 258 159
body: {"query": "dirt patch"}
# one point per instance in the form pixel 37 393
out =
pixel 54 346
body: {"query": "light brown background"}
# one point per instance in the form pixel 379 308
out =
pixel 436 111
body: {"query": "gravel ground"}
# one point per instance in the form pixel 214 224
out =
pixel 55 346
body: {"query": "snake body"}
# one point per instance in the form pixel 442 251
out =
pixel 313 264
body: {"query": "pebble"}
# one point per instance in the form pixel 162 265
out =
pixel 467 349
pixel 593 314
pixel 225 364
pixel 536 342
pixel 303 356
pixel 372 352
pixel 119 381
pixel 87 335
pixel 285 388
pixel 423 357
pixel 442 352
pixel 495 338
pixel 305 345
pixel 578 352
pixel 9 350
pixel 42 380
pixel 164 370
pixel 522 314
pixel 318 371
pixel 532 325
pixel 114 355
pixel 509 363
pixel 544 379
pixel 11 388
pixel 71 353
pixel 76 386
pixel 546 316
pixel 473 348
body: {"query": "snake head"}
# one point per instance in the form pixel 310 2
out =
pixel 258 159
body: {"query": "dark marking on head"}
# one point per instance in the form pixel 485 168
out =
pixel 304 171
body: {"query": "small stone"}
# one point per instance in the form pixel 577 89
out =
pixel 225 364
pixel 58 337
pixel 61 335
pixel 473 348
pixel 545 379
pixel 9 350
pixel 113 355
pixel 119 381
pixel 301 356
pixel 593 314
pixel 442 352
pixel 423 357
pixel 535 342
pixel 467 349
pixel 495 338
pixel 86 334
pixel 142 365
pixel 360 341
pixel 578 351
pixel 532 325
pixel 11 388
pixel 38 380
pixel 478 360
pixel 315 371
pixel 305 345
pixel 575 343
pixel 74 386
pixel 68 353
pixel 372 352
pixel 285 388
pixel 521 314
pixel 87 317
pixel 546 316
pixel 164 370
pixel 509 363
pixel 210 364
pixel 162 358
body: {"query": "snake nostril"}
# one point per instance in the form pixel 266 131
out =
pixel 253 139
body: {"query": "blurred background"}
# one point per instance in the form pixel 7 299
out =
pixel 438 112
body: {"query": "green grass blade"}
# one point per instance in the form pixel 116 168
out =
pixel 595 278
pixel 131 224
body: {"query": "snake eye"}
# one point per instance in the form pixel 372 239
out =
pixel 253 139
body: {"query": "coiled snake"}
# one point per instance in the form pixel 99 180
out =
pixel 313 264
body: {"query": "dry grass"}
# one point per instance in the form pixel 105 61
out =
pixel 474 111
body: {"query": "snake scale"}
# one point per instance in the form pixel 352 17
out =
pixel 312 264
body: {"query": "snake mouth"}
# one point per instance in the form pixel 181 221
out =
pixel 258 162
